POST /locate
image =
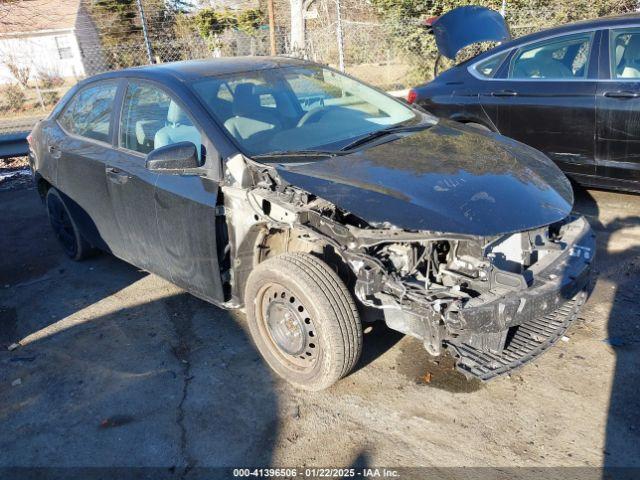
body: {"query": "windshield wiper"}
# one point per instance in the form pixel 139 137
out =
pixel 384 132
pixel 298 153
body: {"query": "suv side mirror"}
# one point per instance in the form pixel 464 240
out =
pixel 173 158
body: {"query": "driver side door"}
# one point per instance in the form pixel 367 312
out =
pixel 168 221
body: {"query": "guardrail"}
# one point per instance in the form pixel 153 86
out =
pixel 14 144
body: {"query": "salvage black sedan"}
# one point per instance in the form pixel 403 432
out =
pixel 317 203
pixel 572 92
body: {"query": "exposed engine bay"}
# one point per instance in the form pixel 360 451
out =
pixel 476 295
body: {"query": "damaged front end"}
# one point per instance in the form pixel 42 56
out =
pixel 495 302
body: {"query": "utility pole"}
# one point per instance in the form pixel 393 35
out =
pixel 272 27
pixel 503 8
pixel 339 36
pixel 145 33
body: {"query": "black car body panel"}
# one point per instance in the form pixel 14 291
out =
pixel 448 234
pixel 586 124
pixel 448 178
pixel 464 26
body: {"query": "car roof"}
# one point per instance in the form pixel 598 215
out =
pixel 593 24
pixel 190 70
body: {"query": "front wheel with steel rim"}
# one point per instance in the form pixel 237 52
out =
pixel 303 320
pixel 65 228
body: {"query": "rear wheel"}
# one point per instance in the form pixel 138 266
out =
pixel 303 320
pixel 65 228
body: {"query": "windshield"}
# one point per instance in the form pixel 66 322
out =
pixel 298 108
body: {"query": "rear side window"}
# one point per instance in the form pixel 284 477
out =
pixel 88 113
pixel 489 67
pixel 557 58
pixel 625 53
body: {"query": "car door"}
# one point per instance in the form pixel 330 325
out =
pixel 80 141
pixel 547 99
pixel 167 221
pixel 618 107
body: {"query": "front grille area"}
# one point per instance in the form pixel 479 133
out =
pixel 524 343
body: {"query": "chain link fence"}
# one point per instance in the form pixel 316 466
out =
pixel 37 66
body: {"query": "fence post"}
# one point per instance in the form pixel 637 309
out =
pixel 272 27
pixel 339 36
pixel 145 33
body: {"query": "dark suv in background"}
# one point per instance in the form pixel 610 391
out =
pixel 572 92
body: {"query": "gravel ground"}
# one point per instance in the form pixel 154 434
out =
pixel 120 368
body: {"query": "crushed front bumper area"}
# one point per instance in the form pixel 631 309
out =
pixel 500 330
pixel 525 324
pixel 524 342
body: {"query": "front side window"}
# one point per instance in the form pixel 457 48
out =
pixel 88 113
pixel 625 53
pixel 298 108
pixel 558 58
pixel 151 119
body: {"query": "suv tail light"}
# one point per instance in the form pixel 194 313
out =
pixel 411 96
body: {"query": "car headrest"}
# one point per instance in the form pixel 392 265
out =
pixel 619 51
pixel 245 101
pixel 544 54
pixel 177 116
pixel 632 51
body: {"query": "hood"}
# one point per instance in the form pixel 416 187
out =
pixel 464 26
pixel 448 178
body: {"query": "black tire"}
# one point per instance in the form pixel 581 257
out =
pixel 65 228
pixel 303 320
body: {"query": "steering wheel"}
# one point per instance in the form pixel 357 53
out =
pixel 314 115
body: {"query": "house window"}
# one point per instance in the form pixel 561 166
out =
pixel 64 47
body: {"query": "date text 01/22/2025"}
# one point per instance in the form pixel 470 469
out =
pixel 316 472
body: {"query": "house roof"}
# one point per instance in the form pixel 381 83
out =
pixel 30 16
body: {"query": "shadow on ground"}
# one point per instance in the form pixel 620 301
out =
pixel 619 268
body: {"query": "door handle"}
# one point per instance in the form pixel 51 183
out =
pixel 116 175
pixel 504 93
pixel 622 94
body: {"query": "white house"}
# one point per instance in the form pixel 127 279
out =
pixel 47 36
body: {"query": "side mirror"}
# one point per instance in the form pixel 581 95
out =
pixel 173 158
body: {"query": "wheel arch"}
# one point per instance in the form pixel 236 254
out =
pixel 472 119
pixel 263 243
pixel 42 185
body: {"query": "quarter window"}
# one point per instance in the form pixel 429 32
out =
pixel 625 53
pixel 152 119
pixel 562 58
pixel 88 114
pixel 489 67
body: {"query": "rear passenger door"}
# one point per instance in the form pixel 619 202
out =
pixel 618 107
pixel 548 99
pixel 80 142
pixel 168 221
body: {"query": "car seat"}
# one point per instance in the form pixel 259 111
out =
pixel 249 117
pixel 178 128
pixel 549 67
pixel 629 67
